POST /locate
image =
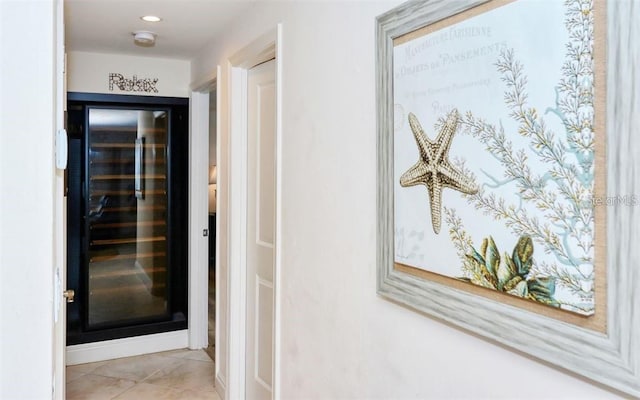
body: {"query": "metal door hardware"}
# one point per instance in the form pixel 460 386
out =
pixel 70 295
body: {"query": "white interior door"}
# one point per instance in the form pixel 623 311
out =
pixel 260 230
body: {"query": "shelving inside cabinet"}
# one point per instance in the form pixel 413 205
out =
pixel 126 225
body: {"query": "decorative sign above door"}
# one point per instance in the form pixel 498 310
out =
pixel 134 84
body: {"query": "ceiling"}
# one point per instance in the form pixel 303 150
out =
pixel 106 26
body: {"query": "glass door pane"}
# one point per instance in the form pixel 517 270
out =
pixel 126 222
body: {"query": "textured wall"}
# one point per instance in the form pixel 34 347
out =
pixel 339 339
pixel 27 179
pixel 89 72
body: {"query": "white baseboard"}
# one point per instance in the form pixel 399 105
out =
pixel 220 387
pixel 128 347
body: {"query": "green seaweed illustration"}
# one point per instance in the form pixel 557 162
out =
pixel 510 274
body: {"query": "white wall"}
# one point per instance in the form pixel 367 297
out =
pixel 27 109
pixel 339 339
pixel 89 72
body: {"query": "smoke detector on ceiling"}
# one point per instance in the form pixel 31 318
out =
pixel 144 38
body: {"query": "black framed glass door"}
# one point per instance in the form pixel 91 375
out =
pixel 127 205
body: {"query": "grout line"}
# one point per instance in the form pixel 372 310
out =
pixel 180 391
pixel 67 381
pixel 101 387
pixel 120 394
pixel 160 371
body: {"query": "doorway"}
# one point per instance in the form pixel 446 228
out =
pixel 126 216
pixel 242 316
pixel 213 186
pixel 204 221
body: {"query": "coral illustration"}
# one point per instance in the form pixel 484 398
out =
pixel 561 192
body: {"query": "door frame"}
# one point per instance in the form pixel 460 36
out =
pixel 60 216
pixel 130 346
pixel 198 254
pixel 198 293
pixel 263 48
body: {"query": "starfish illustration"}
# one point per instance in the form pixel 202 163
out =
pixel 433 169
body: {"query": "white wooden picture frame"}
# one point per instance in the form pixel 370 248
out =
pixel 603 345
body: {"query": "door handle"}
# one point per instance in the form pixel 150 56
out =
pixel 70 295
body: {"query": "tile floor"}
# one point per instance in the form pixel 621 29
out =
pixel 179 374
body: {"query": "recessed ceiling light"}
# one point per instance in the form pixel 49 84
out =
pixel 151 18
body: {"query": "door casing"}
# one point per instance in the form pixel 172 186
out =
pixel 198 215
pixel 60 218
pixel 263 48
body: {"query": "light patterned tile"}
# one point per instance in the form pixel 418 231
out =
pixel 193 375
pixel 196 395
pixel 147 391
pixel 173 353
pixel 187 354
pixel 198 355
pixel 95 387
pixel 137 368
pixel 85 368
pixel 71 375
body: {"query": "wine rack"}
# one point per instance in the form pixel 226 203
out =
pixel 127 218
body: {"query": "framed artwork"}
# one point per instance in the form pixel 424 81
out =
pixel 139 168
pixel 500 182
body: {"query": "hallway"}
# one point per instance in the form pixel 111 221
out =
pixel 179 374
